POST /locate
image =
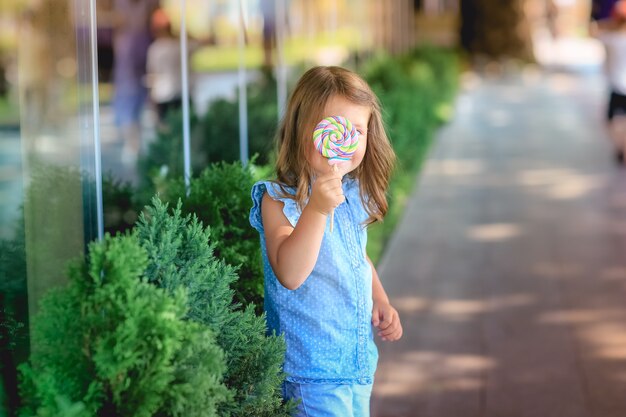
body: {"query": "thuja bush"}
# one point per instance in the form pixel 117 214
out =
pixel 181 256
pixel 111 344
pixel 220 198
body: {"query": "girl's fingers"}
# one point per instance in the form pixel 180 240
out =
pixel 388 332
pixel 388 319
pixel 393 336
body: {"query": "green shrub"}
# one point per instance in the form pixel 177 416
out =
pixel 180 256
pixel 415 91
pixel 214 136
pixel 164 158
pixel 111 344
pixel 121 207
pixel 220 197
pixel 220 125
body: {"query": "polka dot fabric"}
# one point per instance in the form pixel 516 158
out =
pixel 326 322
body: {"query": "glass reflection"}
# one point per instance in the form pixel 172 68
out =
pixel 46 163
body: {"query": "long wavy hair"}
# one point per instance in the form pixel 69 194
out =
pixel 294 138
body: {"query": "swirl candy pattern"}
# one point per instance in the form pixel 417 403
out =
pixel 336 139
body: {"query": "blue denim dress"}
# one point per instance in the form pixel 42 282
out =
pixel 326 322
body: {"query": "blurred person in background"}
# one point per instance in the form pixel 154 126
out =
pixel 106 22
pixel 601 9
pixel 552 17
pixel 131 40
pixel 268 8
pixel 164 67
pixel 611 32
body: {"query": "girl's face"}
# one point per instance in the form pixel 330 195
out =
pixel 359 116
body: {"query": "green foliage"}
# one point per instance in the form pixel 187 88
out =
pixel 220 125
pixel 53 232
pixel 180 255
pixel 111 344
pixel 220 197
pixel 121 208
pixel 13 265
pixel 415 91
pixel 214 136
pixel 164 158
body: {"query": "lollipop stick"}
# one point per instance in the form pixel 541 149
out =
pixel 332 213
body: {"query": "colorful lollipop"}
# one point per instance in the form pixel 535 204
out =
pixel 336 139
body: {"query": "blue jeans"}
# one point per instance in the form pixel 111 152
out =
pixel 329 400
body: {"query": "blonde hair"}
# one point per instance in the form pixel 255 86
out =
pixel 294 138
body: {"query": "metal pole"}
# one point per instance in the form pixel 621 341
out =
pixel 281 68
pixel 243 93
pixel 93 22
pixel 185 96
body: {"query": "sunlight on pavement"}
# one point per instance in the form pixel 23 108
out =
pixel 411 304
pixel 561 184
pixel 579 316
pixel 538 177
pixel 575 187
pixel 460 309
pixel 556 270
pixel 453 167
pixel 494 232
pixel 464 309
pixel 616 273
pixel 427 371
pixel 606 339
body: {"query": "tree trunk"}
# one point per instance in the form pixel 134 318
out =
pixel 496 29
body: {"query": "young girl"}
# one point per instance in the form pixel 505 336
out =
pixel 321 289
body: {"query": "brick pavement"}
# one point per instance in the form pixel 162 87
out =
pixel 509 267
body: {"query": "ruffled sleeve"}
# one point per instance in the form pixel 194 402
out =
pixel 290 207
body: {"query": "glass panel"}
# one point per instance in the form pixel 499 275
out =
pixel 47 209
pixel 129 119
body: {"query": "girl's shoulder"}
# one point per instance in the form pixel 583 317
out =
pixel 278 192
pixel 274 189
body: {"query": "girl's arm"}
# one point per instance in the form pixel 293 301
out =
pixel 293 252
pixel 384 316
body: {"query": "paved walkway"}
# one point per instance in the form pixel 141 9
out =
pixel 509 268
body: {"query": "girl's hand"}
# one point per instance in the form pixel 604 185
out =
pixel 387 320
pixel 326 193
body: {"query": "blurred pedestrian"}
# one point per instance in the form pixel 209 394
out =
pixel 612 33
pixel 552 19
pixel 130 46
pixel 601 9
pixel 164 67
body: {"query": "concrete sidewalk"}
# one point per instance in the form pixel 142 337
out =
pixel 509 267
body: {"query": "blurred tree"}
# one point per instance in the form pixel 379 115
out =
pixel 495 29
